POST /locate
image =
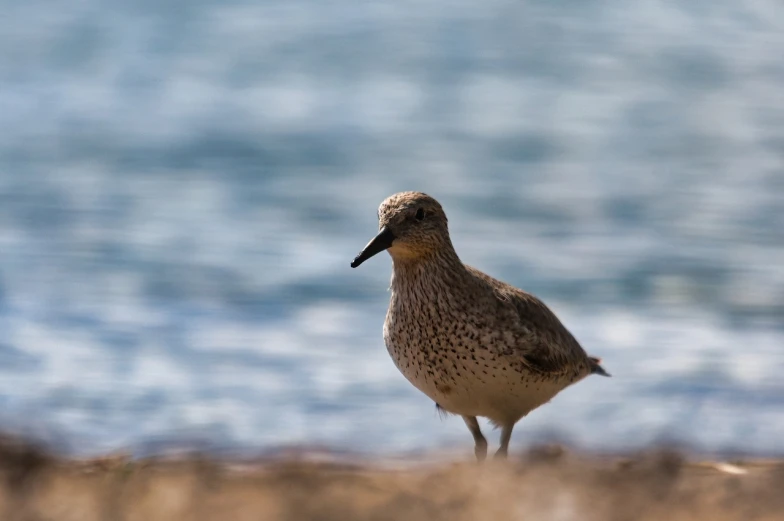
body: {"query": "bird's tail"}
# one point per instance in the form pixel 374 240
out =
pixel 596 368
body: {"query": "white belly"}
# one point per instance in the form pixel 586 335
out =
pixel 472 386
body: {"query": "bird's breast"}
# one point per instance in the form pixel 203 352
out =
pixel 444 353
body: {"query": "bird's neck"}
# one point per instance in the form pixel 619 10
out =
pixel 431 274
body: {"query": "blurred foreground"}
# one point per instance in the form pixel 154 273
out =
pixel 547 483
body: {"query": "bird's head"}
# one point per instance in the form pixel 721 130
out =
pixel 412 225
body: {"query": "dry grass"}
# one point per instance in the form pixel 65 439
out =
pixel 543 485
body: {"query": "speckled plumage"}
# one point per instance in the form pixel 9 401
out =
pixel 473 344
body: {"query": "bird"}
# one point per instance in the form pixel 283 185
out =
pixel 476 346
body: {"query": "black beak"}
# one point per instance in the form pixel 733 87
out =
pixel 380 242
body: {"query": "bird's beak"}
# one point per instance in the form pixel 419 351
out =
pixel 380 242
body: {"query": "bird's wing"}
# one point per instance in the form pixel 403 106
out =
pixel 549 348
pixel 545 346
pixel 541 358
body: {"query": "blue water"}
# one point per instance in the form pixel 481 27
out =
pixel 184 184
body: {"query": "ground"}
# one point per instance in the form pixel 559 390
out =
pixel 548 483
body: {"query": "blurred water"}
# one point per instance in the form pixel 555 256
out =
pixel 184 184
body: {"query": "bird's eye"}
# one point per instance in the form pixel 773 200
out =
pixel 420 214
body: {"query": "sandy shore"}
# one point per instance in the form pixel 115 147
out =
pixel 543 484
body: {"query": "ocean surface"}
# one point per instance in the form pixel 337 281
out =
pixel 183 186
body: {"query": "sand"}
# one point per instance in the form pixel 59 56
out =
pixel 549 483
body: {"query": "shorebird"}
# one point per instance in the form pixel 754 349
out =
pixel 476 346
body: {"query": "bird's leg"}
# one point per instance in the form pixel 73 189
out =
pixel 480 448
pixel 506 435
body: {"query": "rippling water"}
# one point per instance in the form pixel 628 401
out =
pixel 184 184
